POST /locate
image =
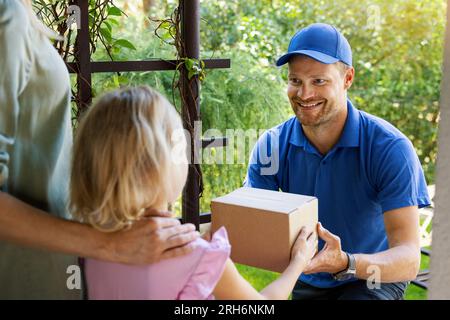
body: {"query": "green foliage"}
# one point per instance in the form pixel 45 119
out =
pixel 244 97
pixel 397 56
pixel 124 43
pixel 397 49
pixel 103 21
pixel 195 67
pixel 397 52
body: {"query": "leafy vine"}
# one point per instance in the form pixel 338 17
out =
pixel 169 31
pixel 102 19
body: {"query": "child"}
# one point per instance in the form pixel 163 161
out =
pixel 124 162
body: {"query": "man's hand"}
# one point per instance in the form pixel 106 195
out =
pixel 331 258
pixel 151 239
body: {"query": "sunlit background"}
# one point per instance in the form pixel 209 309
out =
pixel 397 53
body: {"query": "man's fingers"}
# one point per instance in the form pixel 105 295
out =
pixel 310 268
pixel 307 271
pixel 327 235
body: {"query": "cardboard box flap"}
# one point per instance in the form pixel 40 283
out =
pixel 267 200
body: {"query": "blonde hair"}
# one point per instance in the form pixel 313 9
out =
pixel 121 157
pixel 38 24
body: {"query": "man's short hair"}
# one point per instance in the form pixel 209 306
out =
pixel 342 67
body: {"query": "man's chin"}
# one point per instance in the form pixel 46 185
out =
pixel 306 121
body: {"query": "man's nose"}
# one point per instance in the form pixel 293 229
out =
pixel 305 93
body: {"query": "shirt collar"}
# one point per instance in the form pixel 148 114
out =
pixel 349 137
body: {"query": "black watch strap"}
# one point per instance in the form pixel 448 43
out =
pixel 349 272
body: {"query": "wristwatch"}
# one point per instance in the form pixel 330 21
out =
pixel 349 272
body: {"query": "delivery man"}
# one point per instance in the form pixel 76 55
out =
pixel 363 170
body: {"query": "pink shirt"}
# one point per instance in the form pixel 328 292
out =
pixel 190 277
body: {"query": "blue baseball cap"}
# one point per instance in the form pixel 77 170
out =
pixel 321 42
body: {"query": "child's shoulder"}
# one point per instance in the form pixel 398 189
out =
pixel 209 262
pixel 219 241
pixel 208 254
pixel 192 276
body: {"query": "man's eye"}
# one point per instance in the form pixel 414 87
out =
pixel 320 81
pixel 294 81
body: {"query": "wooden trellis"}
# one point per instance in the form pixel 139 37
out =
pixel 190 25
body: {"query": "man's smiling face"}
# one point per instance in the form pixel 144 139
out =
pixel 317 91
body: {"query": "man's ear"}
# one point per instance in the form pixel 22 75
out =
pixel 349 77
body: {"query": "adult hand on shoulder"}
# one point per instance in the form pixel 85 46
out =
pixel 331 258
pixel 155 237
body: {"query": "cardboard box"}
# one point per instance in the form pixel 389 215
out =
pixel 262 225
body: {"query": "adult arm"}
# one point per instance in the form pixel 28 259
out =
pixel 147 241
pixel 400 262
pixel 401 188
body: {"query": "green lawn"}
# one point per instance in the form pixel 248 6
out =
pixel 260 278
pixel 413 292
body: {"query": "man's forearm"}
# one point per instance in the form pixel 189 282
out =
pixel 400 263
pixel 25 225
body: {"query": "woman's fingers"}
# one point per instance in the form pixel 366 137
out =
pixel 181 237
pixel 160 222
pixel 150 212
pixel 178 251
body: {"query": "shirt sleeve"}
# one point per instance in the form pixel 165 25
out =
pixel 209 268
pixel 15 63
pixel 264 163
pixel 400 179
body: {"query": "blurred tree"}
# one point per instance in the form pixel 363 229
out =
pixel 397 49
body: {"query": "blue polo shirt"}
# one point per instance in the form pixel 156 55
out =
pixel 373 168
